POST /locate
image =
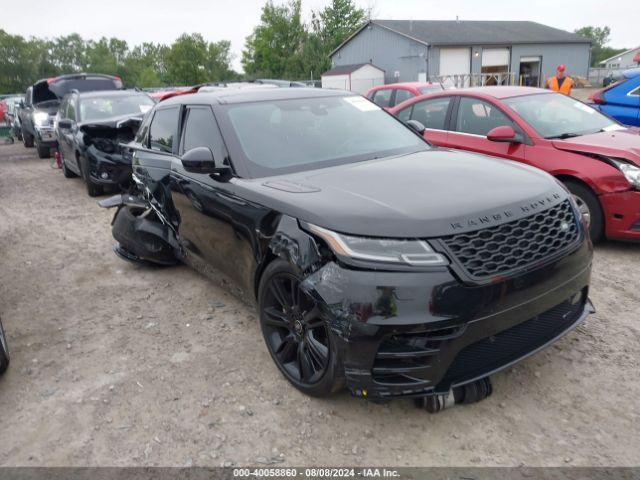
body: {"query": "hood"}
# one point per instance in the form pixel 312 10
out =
pixel 113 123
pixel 620 143
pixel 425 194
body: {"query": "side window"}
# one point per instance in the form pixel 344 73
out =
pixel 402 95
pixel 163 130
pixel 432 113
pixel 142 135
pixel 201 130
pixel 479 117
pixel 62 110
pixel 382 98
pixel 71 109
pixel 635 92
pixel 405 114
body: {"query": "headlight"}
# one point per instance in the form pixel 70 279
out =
pixel 630 172
pixel 381 250
pixel 41 118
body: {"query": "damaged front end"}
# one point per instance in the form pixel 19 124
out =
pixel 425 333
pixel 141 230
pixel 107 153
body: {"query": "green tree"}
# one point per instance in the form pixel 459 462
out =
pixel 191 60
pixel 329 28
pixel 599 37
pixel 275 48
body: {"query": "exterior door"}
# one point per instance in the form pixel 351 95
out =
pixel 455 63
pixel 434 115
pixel 214 228
pixel 472 119
pixel 157 146
pixel 66 140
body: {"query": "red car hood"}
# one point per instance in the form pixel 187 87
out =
pixel 620 143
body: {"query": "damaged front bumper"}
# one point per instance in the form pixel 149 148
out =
pixel 109 168
pixel 412 334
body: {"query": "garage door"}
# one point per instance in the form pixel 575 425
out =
pixel 495 57
pixel 455 61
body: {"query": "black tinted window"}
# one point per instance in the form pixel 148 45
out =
pixel 163 130
pixel 201 130
pixel 382 98
pixel 479 117
pixel 431 113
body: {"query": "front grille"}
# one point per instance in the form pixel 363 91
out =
pixel 514 245
pixel 483 357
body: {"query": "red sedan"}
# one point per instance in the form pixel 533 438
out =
pixel 386 96
pixel 595 157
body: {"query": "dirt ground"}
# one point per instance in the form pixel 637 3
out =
pixel 116 364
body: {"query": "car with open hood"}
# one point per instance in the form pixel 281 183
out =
pixel 375 261
pixel 593 155
pixel 92 128
pixel 42 100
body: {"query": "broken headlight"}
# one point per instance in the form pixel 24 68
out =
pixel 381 250
pixel 630 172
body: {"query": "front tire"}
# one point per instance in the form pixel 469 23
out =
pixel 297 337
pixel 27 140
pixel 65 170
pixel 43 152
pixel 93 189
pixel 589 207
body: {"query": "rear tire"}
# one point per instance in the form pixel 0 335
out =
pixel 27 140
pixel 43 152
pixel 589 206
pixel 298 339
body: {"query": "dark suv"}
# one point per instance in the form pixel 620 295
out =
pixel 91 128
pixel 376 261
pixel 41 103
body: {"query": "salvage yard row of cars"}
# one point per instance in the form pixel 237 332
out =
pixel 377 259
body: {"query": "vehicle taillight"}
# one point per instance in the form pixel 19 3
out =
pixel 598 96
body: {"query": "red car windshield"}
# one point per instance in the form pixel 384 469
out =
pixel 558 116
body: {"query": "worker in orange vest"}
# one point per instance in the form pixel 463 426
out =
pixel 560 82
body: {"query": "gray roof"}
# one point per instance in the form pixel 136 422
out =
pixel 344 69
pixel 475 32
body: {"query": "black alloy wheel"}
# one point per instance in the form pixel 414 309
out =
pixel 297 336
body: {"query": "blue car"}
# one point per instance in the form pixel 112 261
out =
pixel 621 99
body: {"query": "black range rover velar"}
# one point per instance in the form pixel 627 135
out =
pixel 376 261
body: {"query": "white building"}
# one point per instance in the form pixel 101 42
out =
pixel 628 59
pixel 357 78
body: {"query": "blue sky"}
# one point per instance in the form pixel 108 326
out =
pixel 162 20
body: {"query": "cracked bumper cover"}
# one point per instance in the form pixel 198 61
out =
pixel 409 334
pixel 116 166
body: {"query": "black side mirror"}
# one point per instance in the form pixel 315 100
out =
pixel 417 126
pixel 21 104
pixel 200 160
pixel 64 124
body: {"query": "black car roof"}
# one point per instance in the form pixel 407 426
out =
pixel 240 95
pixel 110 93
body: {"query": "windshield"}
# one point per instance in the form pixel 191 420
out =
pixel 292 135
pixel 559 116
pixel 101 108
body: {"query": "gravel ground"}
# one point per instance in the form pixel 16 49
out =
pixel 116 364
